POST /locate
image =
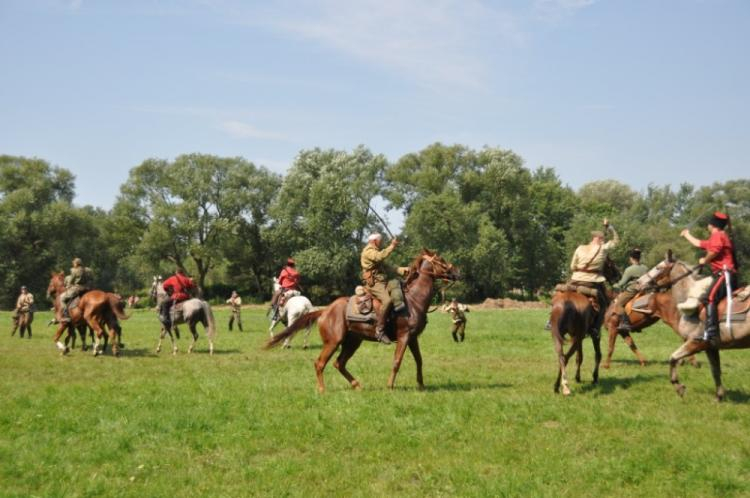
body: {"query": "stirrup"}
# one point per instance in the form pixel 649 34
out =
pixel 381 336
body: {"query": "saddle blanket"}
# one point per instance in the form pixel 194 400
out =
pixel 586 291
pixel 353 313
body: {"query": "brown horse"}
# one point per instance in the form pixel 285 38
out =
pixel 663 307
pixel 573 314
pixel 336 330
pixel 94 309
pixel 735 337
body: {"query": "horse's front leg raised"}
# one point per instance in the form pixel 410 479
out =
pixel 690 347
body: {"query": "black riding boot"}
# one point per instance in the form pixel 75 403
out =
pixel 711 325
pixel 624 325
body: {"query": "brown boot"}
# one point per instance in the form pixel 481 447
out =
pixel 381 336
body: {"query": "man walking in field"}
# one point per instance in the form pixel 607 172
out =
pixel 235 303
pixel 458 316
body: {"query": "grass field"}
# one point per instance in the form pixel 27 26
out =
pixel 250 422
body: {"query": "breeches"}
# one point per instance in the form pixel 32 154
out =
pixel 381 293
pixel 719 287
pixel 458 328
pixel 622 300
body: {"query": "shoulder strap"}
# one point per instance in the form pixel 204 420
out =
pixel 586 266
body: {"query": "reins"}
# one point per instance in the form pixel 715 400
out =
pixel 436 276
pixel 667 285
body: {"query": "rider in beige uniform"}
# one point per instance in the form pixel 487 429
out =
pixel 24 305
pixel 375 279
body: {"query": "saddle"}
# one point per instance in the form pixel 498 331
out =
pixel 641 303
pixel 590 293
pixel 740 306
pixel 363 306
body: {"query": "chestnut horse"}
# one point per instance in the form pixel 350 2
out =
pixel 336 330
pixel 663 307
pixel 94 309
pixel 573 314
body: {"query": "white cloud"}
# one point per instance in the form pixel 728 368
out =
pixel 75 4
pixel 238 129
pixel 437 43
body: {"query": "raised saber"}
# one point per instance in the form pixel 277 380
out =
pixel 385 225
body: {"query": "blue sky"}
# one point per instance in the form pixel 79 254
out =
pixel 639 91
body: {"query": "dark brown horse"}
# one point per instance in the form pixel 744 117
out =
pixel 336 330
pixel 94 309
pixel 573 314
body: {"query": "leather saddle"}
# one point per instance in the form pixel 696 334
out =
pixel 740 307
pixel 641 303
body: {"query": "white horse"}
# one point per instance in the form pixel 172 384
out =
pixel 193 311
pixel 293 308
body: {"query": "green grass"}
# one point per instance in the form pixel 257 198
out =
pixel 250 422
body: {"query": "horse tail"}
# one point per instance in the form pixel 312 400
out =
pixel 304 321
pixel 211 329
pixel 117 306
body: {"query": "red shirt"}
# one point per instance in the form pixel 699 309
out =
pixel 289 278
pixel 180 284
pixel 719 244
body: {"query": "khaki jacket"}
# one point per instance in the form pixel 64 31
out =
pixel 235 303
pixel 588 261
pixel 373 265
pixel 25 302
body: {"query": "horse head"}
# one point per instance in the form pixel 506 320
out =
pixel 56 283
pixel 435 265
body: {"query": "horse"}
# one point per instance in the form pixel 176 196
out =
pixel 95 309
pixel 574 314
pixel 737 336
pixel 336 330
pixel 663 307
pixel 293 308
pixel 193 311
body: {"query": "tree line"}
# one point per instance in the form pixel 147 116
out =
pixel 232 224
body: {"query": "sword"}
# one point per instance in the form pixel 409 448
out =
pixel 385 225
pixel 729 301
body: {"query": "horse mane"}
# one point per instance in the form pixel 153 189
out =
pixel 416 264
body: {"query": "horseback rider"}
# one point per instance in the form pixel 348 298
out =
pixel 288 281
pixel 588 267
pixel 720 254
pixel 375 279
pixel 77 283
pixel 628 287
pixel 177 287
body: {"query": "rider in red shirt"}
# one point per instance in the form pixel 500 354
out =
pixel 288 281
pixel 721 257
pixel 177 286
pixel 289 277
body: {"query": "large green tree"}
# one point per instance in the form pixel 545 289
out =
pixel 187 212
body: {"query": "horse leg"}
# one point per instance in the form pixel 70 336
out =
pixel 715 361
pixel 191 325
pixel 611 345
pixel 162 333
pixel 631 344
pixel 417 354
pixel 348 347
pixel 96 327
pixel 398 357
pixel 320 364
pixel 687 349
pixel 597 358
pixel 558 343
pixel 564 363
pixel 579 361
pixel 60 346
pixel 114 336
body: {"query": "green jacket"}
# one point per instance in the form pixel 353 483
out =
pixel 630 276
pixel 82 277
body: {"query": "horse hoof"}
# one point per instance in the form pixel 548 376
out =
pixel 356 385
pixel 681 390
pixel 158 350
pixel 304 347
pixel 420 387
pixel 606 365
pixel 566 391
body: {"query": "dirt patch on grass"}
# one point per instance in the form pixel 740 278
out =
pixel 507 303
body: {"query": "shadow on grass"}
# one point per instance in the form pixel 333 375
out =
pixel 463 386
pixel 608 385
pixel 636 363
pixel 737 397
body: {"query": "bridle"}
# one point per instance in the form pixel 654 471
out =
pixel 446 274
pixel 657 287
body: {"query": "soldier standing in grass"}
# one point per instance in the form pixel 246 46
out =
pixel 235 302
pixel 458 315
pixel 24 305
